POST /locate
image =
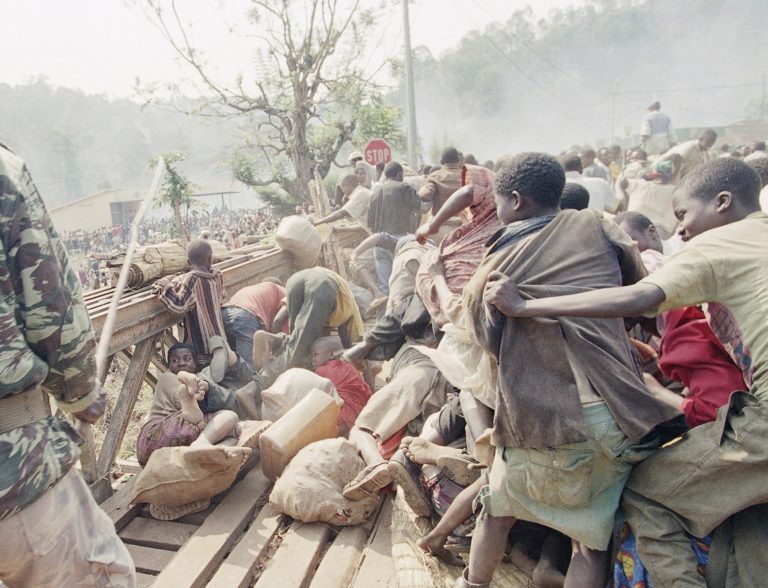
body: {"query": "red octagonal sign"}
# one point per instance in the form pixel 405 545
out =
pixel 377 150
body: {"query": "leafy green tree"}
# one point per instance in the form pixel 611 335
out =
pixel 176 191
pixel 307 99
pixel 380 120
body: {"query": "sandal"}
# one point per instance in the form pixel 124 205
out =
pixel 406 474
pixel 163 512
pixel 456 467
pixel 372 479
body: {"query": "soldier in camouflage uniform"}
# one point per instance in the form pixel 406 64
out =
pixel 52 532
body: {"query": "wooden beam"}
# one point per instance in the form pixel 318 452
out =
pixel 340 561
pixel 149 378
pixel 158 534
pixel 195 563
pixel 149 560
pixel 295 560
pixel 377 568
pixel 118 506
pixel 238 569
pixel 144 580
pixel 123 409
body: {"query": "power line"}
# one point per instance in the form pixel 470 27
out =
pixel 617 92
pixel 690 89
pixel 503 53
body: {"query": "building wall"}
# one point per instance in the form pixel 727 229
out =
pixel 88 214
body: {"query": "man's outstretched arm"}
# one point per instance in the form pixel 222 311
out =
pixel 623 301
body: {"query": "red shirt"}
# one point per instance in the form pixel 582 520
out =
pixel 691 353
pixel 351 387
pixel 264 300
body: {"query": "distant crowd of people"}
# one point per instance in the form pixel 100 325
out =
pixel 228 226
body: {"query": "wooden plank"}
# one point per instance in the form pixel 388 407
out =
pixel 237 570
pixel 194 564
pixel 123 409
pixel 160 534
pixel 149 560
pixel 294 563
pixel 118 507
pixel 340 561
pixel 128 466
pixel 149 378
pixel 377 568
pixel 144 580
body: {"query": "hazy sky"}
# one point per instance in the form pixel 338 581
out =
pixel 103 46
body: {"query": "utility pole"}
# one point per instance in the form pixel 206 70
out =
pixel 613 111
pixel 410 96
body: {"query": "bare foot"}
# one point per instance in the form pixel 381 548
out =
pixel 190 390
pixel 421 451
pixel 435 545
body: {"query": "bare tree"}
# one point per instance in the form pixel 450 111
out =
pixel 312 84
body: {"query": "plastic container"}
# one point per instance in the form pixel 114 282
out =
pixel 312 419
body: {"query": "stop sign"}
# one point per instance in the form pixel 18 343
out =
pixel 377 150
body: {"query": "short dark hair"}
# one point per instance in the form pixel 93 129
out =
pixel 571 162
pixel 538 176
pixel 636 221
pixel 380 166
pixel 760 165
pixel 724 174
pixel 349 179
pixel 198 251
pixel 575 196
pixel 178 347
pixel 392 170
pixel 708 133
pixel 470 159
pixel 450 155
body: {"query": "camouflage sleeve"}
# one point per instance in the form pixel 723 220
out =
pixel 46 334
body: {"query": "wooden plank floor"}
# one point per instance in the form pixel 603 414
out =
pixel 240 541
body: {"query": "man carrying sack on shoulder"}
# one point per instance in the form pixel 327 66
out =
pixel 52 532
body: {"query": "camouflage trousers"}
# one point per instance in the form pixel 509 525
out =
pixel 64 539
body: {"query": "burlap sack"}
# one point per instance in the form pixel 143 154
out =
pixel 309 489
pixel 175 476
pixel 297 236
pixel 289 388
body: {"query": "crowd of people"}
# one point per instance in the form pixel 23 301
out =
pixel 576 358
pixel 231 227
pixel 505 425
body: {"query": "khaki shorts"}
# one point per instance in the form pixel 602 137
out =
pixel 64 539
pixel 574 489
pixel 415 391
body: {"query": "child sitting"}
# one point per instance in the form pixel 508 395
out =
pixel 198 295
pixel 188 409
pixel 349 382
